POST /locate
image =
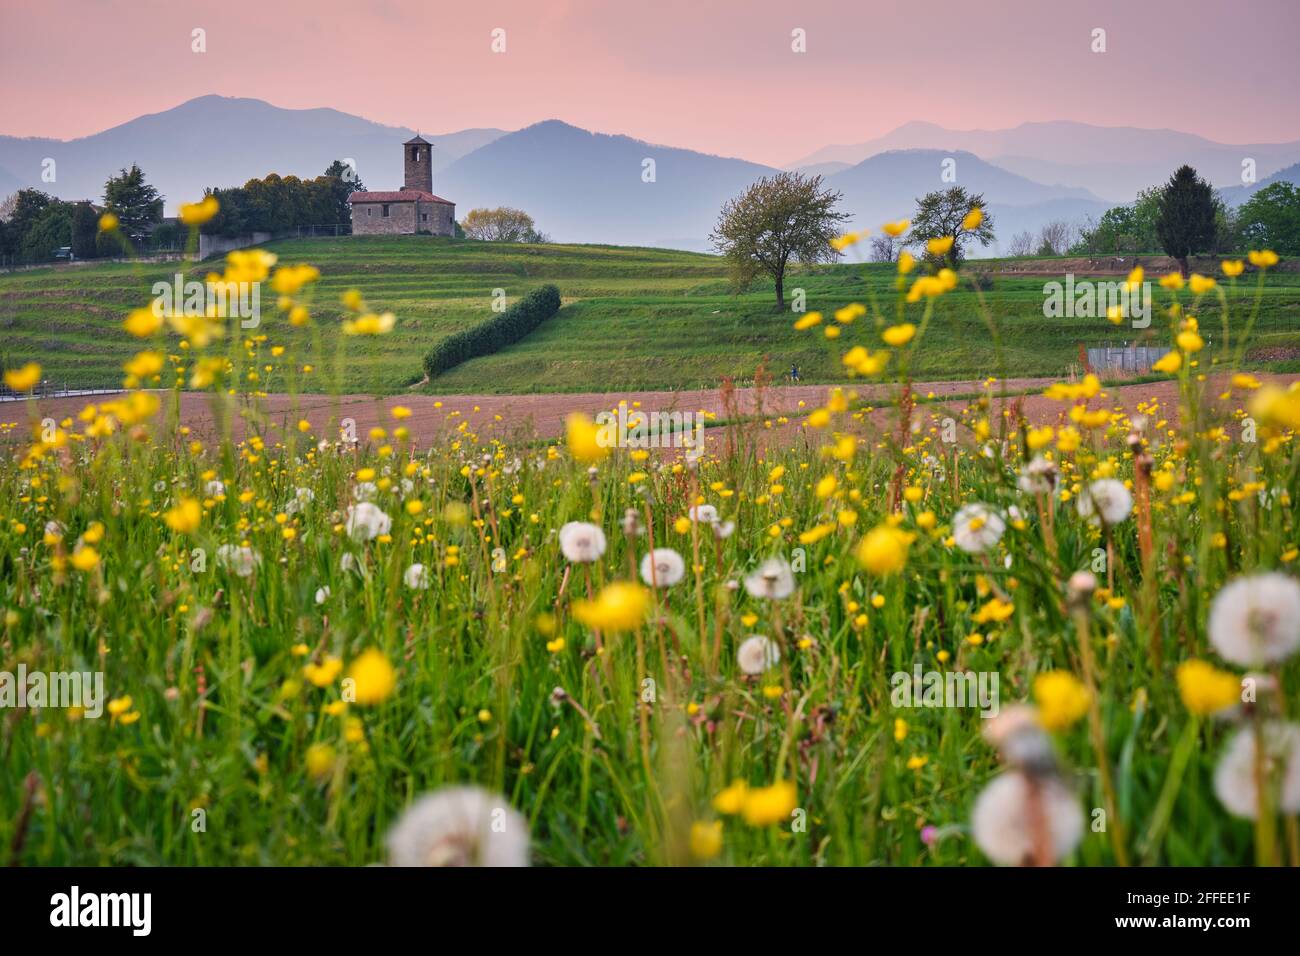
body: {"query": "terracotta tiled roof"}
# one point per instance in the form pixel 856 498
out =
pixel 405 195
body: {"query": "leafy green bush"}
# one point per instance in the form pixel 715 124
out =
pixel 497 332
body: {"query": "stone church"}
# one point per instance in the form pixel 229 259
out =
pixel 411 210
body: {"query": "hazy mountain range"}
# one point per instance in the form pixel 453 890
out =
pixel 1112 161
pixel 582 186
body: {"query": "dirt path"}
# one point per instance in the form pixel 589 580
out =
pixel 543 415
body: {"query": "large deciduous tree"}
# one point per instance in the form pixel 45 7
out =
pixel 503 224
pixel 779 219
pixel 1187 220
pixel 946 212
pixel 1270 219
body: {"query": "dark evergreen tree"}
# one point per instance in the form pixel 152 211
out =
pixel 136 204
pixel 1186 222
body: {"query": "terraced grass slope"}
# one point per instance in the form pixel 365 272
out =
pixel 633 318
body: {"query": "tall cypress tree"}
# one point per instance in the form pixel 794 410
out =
pixel 1185 224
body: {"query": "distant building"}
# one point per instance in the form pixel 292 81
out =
pixel 412 209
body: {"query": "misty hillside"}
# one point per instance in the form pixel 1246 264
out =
pixel 1112 162
pixel 885 188
pixel 587 187
pixel 223 141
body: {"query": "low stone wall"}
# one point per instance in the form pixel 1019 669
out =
pixel 220 245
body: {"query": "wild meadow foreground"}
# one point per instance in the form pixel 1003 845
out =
pixel 961 639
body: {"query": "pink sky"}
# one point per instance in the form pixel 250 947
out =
pixel 704 74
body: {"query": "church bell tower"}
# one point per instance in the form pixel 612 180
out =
pixel 418 164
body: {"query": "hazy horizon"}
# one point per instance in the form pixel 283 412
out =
pixel 646 73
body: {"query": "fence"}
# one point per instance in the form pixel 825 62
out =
pixel 51 388
pixel 1125 358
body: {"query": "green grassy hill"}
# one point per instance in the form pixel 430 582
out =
pixel 633 318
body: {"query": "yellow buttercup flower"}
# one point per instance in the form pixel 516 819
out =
pixel 24 379
pixel 1200 284
pixel 896 228
pixel 1232 267
pixel 185 517
pixel 940 246
pixel 143 323
pixel 583 438
pixel 370 324
pixel 197 213
pixel 108 222
pixel 620 606
pixel 144 364
pixel 706 839
pixel 1062 699
pixel 1262 259
pixel 731 799
pixel 320 761
pixel 1173 281
pixel 808 321
pixel 1205 689
pixel 323 674
pixel 1168 363
pixel 764 806
pixel 289 280
pixel 373 677
pixel 906 262
pixel 973 219
pixel 85 558
pixel 899 335
pixel 884 550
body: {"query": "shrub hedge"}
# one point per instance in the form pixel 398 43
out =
pixel 495 333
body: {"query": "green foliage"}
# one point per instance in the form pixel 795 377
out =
pixel 50 230
pixel 1124 229
pixel 779 219
pixel 137 205
pixel 495 333
pixel 501 225
pixel 1187 220
pixel 85 230
pixel 276 204
pixel 1270 219
pixel 940 213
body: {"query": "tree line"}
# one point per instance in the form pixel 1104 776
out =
pixel 34 225
pixel 791 218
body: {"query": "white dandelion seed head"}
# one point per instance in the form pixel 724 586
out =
pixel 1234 777
pixel 322 594
pixel 706 513
pixel 1038 477
pixel 239 560
pixel 1001 821
pixel 773 580
pixel 54 528
pixel 349 562
pixel 214 488
pixel 977 527
pixel 756 654
pixel 365 491
pixel 1255 620
pixel 1106 499
pixel 582 542
pixel 459 826
pixel 662 567
pixel 416 577
pixel 724 530
pixel 365 522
